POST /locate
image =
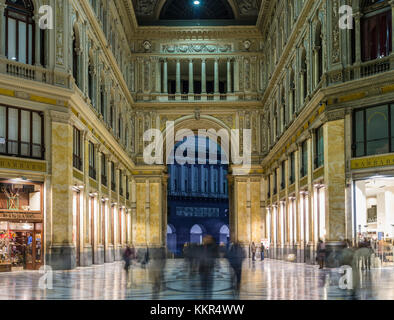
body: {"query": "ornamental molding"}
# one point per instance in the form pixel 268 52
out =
pixel 196 48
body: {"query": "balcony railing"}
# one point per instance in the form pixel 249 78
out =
pixel 371 68
pixel 24 71
pixel 162 97
pixel 32 72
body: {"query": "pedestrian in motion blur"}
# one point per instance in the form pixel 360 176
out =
pixel 262 249
pixel 253 250
pixel 209 253
pixel 321 254
pixel 127 256
pixel 235 258
pixel 157 266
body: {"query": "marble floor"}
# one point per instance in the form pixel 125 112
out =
pixel 268 280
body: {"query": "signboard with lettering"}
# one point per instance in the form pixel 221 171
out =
pixel 372 162
pixel 198 212
pixel 17 164
pixel 19 216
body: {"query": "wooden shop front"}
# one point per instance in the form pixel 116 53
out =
pixel 21 225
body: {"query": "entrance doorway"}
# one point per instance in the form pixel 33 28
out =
pixel 198 201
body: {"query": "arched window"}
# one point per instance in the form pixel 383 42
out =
pixel 292 94
pixel 120 127
pixel 283 111
pixel 75 52
pixel 91 81
pixel 126 137
pixel 318 54
pixel 304 75
pixel 103 101
pixel 112 116
pixel 20 31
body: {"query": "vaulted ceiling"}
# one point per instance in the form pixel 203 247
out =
pixel 204 12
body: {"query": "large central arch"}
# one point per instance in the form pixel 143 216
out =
pixel 245 190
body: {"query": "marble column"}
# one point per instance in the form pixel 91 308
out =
pixel 165 76
pixel 61 253
pixel 203 76
pixel 191 77
pixel 229 82
pixel 216 67
pixel 335 181
pixel 158 75
pixel 236 74
pixel 178 76
pixel 37 44
pixel 2 32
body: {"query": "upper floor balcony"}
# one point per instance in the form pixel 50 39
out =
pixel 195 79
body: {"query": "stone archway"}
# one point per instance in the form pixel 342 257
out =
pixel 246 192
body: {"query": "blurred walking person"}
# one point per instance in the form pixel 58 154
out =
pixel 253 250
pixel 157 266
pixel 209 253
pixel 235 258
pixel 321 253
pixel 127 256
pixel 262 249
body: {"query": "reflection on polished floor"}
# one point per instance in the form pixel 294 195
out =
pixel 270 280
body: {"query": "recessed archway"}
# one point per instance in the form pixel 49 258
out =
pixel 198 192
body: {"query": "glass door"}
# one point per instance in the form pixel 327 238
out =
pixel 29 253
pixel 38 249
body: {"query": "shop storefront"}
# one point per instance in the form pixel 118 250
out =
pixel 21 225
pixel 374 216
pixel 373 181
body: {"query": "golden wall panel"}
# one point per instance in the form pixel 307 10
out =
pixel 62 174
pixel 155 214
pixel 242 219
pixel 141 215
pixel 256 212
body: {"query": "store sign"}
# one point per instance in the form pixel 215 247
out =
pixel 19 216
pixel 16 164
pixel 198 212
pixel 374 162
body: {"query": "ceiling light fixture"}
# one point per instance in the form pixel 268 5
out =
pixel 196 3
